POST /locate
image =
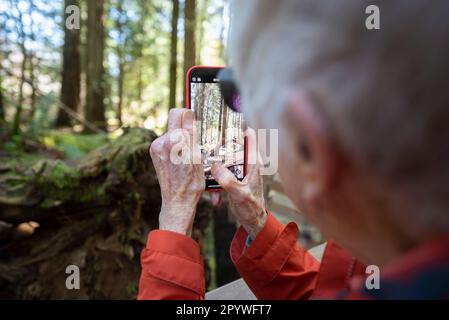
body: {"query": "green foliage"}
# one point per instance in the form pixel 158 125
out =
pixel 73 145
pixel 45 114
pixel 132 290
pixel 14 145
pixel 63 176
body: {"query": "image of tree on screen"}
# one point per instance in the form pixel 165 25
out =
pixel 220 130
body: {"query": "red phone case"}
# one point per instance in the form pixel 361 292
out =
pixel 245 164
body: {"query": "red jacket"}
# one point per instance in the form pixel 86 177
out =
pixel 275 267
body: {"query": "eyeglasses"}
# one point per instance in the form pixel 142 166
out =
pixel 229 90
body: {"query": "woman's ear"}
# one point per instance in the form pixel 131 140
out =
pixel 310 132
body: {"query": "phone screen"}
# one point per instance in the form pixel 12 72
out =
pixel 220 130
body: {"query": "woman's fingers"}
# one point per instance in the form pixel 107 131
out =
pixel 175 118
pixel 188 120
pixel 228 181
pixel 223 176
pixel 157 149
pixel 188 124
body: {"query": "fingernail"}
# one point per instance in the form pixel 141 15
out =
pixel 187 120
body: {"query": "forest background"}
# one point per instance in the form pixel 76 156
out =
pixel 78 110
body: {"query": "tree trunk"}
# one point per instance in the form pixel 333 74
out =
pixel 221 49
pixel 120 91
pixel 33 60
pixel 33 90
pixel 2 106
pixel 71 71
pixel 84 52
pixel 173 54
pixel 200 29
pixel 121 60
pixel 94 213
pixel 144 16
pixel 18 114
pixel 225 125
pixel 23 51
pixel 189 38
pixel 95 108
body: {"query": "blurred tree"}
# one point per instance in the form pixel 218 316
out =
pixel 33 83
pixel 32 62
pixel 83 57
pixel 2 108
pixel 123 38
pixel 221 49
pixel 95 107
pixel 71 70
pixel 3 55
pixel 189 38
pixel 173 53
pixel 131 55
pixel 139 42
pixel 202 16
pixel 19 24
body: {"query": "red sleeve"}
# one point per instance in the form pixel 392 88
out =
pixel 274 266
pixel 338 269
pixel 172 268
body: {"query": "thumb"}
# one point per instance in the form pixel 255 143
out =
pixel 224 177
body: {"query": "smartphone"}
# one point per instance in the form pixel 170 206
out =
pixel 220 130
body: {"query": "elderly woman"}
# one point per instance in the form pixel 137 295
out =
pixel 363 124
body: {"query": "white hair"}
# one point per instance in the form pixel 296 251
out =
pixel 385 92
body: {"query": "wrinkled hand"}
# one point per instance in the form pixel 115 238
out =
pixel 245 197
pixel 181 177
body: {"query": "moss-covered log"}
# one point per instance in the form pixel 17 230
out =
pixel 94 212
